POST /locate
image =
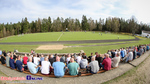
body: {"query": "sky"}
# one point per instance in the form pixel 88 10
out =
pixel 14 10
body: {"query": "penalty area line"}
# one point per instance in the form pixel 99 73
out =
pixel 59 37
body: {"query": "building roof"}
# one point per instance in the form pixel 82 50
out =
pixel 148 32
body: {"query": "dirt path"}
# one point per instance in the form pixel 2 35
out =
pixel 140 75
pixel 70 42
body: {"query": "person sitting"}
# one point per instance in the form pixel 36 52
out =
pixel 12 62
pixel 83 62
pixel 78 58
pixel 134 54
pixel 147 48
pixel 62 59
pixel 113 53
pixel 68 59
pixel 115 60
pixel 106 64
pixel 45 66
pixel 3 59
pixel 94 65
pixel 122 53
pixel 73 67
pixel 14 57
pixel 7 60
pixel 99 59
pixel 36 60
pixel 89 58
pixel 58 67
pixel 19 64
pixel 130 56
pixel 51 59
pixel 41 59
pixel 25 58
pixel 33 68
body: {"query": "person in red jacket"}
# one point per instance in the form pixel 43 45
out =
pixel 25 58
pixel 107 62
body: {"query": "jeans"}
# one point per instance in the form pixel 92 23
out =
pixel 127 59
pixel 101 66
pixel 37 69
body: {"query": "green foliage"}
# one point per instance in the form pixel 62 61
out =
pixel 112 24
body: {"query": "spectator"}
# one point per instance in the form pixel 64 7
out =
pixel 113 53
pixel 68 59
pixel 25 58
pixel 19 64
pixel 45 66
pixel 99 59
pixel 14 57
pixel 125 52
pixel 89 58
pixel 83 62
pixel 73 67
pixel 115 60
pixel 134 54
pixel 42 59
pixel 106 64
pixel 96 54
pixel 147 48
pixel 58 68
pixel 7 60
pixel 62 59
pixel 12 62
pixel 4 53
pixel 109 53
pixel 78 58
pixel 130 56
pixel 51 59
pixel 122 53
pixel 3 59
pixel 33 68
pixel 36 60
pixel 94 65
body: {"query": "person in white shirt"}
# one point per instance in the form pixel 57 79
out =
pixel 36 60
pixel 115 61
pixel 78 58
pixel 45 66
pixel 68 58
pixel 130 56
pixel 125 52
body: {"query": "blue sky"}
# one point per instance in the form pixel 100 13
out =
pixel 14 10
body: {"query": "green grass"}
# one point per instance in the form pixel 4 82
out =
pixel 67 36
pixel 101 49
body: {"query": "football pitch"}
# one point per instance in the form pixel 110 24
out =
pixel 70 36
pixel 65 36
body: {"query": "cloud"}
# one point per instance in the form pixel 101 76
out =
pixel 15 10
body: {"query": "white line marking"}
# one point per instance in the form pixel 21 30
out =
pixel 59 37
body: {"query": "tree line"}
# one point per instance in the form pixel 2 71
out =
pixel 112 24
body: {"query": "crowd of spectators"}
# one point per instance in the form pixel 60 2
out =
pixel 71 63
